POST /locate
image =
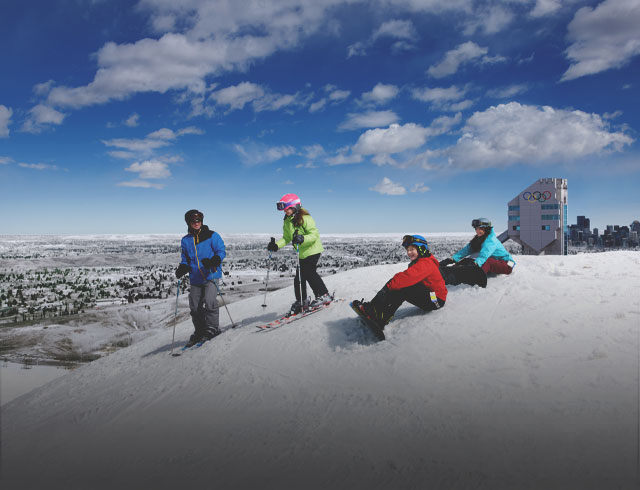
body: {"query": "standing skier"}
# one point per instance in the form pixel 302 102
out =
pixel 202 254
pixel 300 229
pixel 485 251
pixel 420 284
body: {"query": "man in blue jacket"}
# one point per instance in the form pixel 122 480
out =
pixel 202 254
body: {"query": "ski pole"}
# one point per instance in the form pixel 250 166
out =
pixel 266 285
pixel 233 325
pixel 299 274
pixel 175 317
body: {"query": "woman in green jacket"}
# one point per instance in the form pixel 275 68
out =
pixel 299 228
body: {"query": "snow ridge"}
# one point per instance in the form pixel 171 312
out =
pixel 524 384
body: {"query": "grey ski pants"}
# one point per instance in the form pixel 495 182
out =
pixel 203 304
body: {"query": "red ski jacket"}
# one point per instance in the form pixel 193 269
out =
pixel 425 270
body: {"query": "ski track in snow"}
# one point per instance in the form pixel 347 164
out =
pixel 529 383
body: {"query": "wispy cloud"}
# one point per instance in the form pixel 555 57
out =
pixel 468 52
pixel 38 166
pixel 142 184
pixel 369 119
pixel 258 153
pixel 402 30
pixel 6 160
pixel 5 120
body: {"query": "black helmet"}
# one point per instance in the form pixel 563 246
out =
pixel 192 215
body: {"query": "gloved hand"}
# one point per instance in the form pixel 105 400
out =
pixel 212 263
pixel 297 239
pixel 182 270
pixel 445 262
pixel 468 261
pixel 272 246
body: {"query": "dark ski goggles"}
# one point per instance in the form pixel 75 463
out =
pixel 411 240
pixel 281 205
pixel 479 223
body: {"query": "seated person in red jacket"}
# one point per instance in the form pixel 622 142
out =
pixel 421 285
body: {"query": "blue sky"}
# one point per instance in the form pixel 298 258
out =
pixel 382 115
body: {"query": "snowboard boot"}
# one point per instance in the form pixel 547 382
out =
pixel 370 311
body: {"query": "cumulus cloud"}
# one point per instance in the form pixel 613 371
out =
pixel 513 133
pixel 394 139
pixel 369 119
pixel 40 117
pixel 465 53
pixel 388 187
pixel 5 121
pixel 258 154
pixel 133 120
pixel 380 94
pixel 603 38
pixel 150 169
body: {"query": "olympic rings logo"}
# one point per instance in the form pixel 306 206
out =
pixel 537 196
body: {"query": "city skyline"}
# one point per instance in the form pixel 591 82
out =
pixel 117 117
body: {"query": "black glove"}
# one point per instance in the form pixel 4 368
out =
pixel 272 246
pixel 182 270
pixel 468 261
pixel 445 262
pixel 297 239
pixel 212 263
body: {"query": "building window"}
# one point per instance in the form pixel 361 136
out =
pixel 514 218
pixel 546 227
pixel 514 208
pixel 516 228
pixel 550 216
pixel 550 206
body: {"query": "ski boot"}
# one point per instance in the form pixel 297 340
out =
pixel 325 299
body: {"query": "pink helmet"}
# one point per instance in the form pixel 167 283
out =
pixel 288 201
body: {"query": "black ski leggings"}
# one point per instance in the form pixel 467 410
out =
pixel 309 275
pixel 389 300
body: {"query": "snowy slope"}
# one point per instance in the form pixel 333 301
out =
pixel 530 383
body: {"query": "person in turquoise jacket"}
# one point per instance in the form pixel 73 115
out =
pixel 485 250
pixel 202 253
pixel 300 229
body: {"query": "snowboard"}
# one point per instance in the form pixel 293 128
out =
pixel 375 329
pixel 464 274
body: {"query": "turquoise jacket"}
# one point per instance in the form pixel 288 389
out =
pixel 311 245
pixel 491 248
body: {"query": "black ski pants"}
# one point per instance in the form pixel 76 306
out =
pixel 307 270
pixel 387 301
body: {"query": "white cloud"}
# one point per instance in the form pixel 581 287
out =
pixel 6 160
pixel 142 183
pixel 420 187
pixel 439 95
pixel 40 116
pixel 380 94
pixel 133 120
pixel 316 106
pixel 257 154
pixel 157 139
pixel 545 7
pixel 38 166
pixel 338 95
pixel 150 169
pixel 237 96
pixel 386 186
pixel 370 119
pixel 512 133
pixel 464 53
pixel 508 91
pixel 490 19
pixel 43 89
pixel 398 29
pixel 343 157
pixel 5 120
pixel 393 139
pixel 603 38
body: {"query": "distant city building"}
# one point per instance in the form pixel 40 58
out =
pixel 537 218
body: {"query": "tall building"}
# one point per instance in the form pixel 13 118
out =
pixel 537 218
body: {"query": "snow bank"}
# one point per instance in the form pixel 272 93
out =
pixel 530 383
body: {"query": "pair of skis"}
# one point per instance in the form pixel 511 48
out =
pixel 286 319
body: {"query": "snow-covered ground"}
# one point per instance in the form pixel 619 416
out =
pixel 532 382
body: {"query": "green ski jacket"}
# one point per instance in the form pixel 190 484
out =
pixel 311 245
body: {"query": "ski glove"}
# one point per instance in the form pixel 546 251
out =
pixel 182 270
pixel 212 263
pixel 445 262
pixel 297 239
pixel 272 246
